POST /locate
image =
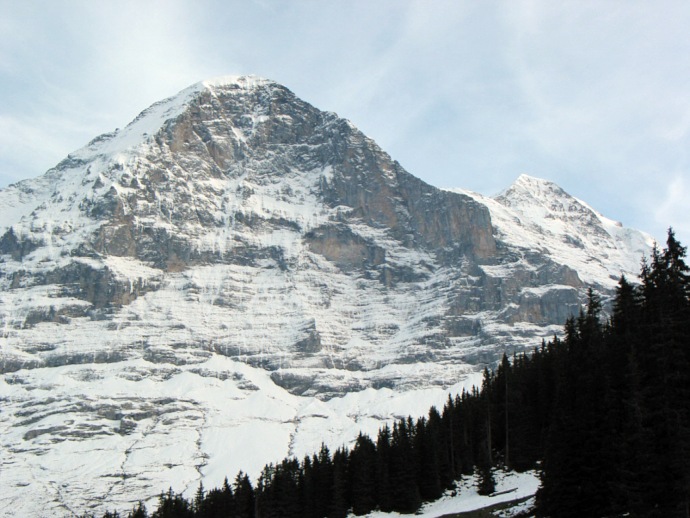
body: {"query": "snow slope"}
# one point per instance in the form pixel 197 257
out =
pixel 509 486
pixel 537 215
pixel 89 437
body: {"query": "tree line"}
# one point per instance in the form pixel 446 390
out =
pixel 603 413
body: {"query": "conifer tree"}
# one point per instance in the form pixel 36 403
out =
pixel 665 384
pixel 340 502
pixel 322 466
pixel 244 496
pixel 486 483
pixel 363 475
pixel 439 438
pixel 308 490
pixel 198 506
pixel 171 505
pixel 139 511
pixel 406 498
pixel 426 447
pixel 607 409
pixel 384 484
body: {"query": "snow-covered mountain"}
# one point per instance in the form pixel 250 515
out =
pixel 237 276
pixel 536 214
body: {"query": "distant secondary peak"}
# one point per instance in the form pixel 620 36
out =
pixel 531 181
pixel 532 186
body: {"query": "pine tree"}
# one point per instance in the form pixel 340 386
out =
pixel 219 502
pixel 309 495
pixel 340 502
pixel 244 496
pixel 438 434
pixel 406 498
pixel 171 505
pixel 623 397
pixel 363 475
pixel 426 445
pixel 139 511
pixel 198 505
pixel 384 484
pixel 607 408
pixel 665 384
pixel 486 483
pixel 576 470
pixel 323 480
pixel 280 493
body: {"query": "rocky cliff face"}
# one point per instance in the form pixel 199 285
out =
pixel 236 267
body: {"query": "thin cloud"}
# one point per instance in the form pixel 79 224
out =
pixel 18 140
pixel 593 96
pixel 673 211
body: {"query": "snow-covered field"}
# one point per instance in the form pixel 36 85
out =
pixel 509 486
pixel 101 436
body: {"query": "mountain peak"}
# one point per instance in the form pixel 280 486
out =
pixel 155 117
pixel 570 229
pixel 528 179
pixel 543 200
pixel 243 81
pixel 537 187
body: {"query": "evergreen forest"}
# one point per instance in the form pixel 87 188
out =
pixel 603 413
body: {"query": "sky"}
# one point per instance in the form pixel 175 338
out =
pixel 593 95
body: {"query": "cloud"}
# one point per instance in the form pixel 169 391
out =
pixel 593 96
pixel 71 71
pixel 19 139
pixel 673 209
pixel 604 89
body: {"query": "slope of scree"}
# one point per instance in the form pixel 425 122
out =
pixel 236 268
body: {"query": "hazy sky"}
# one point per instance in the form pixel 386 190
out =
pixel 594 95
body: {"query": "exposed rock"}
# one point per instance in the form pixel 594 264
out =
pixel 348 251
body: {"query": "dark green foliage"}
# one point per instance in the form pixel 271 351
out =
pixel 172 505
pixel 278 491
pixel 428 446
pixel 139 511
pixel 384 487
pixel 619 438
pixel 308 493
pixel 322 476
pixel 244 501
pixel 403 474
pixel 486 483
pixel 340 502
pixel 363 475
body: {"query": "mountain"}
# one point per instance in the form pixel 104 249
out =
pixel 237 275
pixel 538 215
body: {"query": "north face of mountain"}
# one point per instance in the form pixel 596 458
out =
pixel 241 178
pixel 304 243
pixel 239 272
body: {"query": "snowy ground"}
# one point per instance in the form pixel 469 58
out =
pixel 93 437
pixel 509 486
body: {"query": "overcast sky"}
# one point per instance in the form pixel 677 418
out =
pixel 593 95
